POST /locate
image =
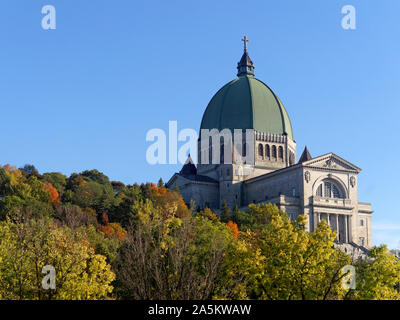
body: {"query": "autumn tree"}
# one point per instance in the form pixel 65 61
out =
pixel 26 247
pixel 57 180
pixel 166 257
pixel 165 198
pixel 234 229
pixel 75 217
pixel 209 214
pixel 378 276
pixel 54 197
pixel 298 264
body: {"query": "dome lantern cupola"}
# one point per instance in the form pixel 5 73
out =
pixel 247 103
pixel 245 65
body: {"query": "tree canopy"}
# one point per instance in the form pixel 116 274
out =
pixel 108 240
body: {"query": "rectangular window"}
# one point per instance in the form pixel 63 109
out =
pixel 362 241
pixel 361 222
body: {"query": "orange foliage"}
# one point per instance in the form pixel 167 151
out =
pixel 158 191
pixel 164 197
pixel 54 196
pixel 104 219
pixel 234 228
pixel 10 168
pixel 112 230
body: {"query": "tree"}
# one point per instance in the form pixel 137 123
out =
pixel 118 186
pixel 102 244
pixel 26 247
pixel 207 213
pixel 75 217
pixel 166 257
pixel 165 198
pixel 225 212
pixel 54 197
pixel 122 210
pixel 298 264
pixel 85 191
pixel 26 195
pixel 96 176
pixel 160 183
pixel 57 179
pixel 378 276
pixel 30 170
pixel 234 228
pixel 235 213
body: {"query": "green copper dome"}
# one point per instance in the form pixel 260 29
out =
pixel 247 103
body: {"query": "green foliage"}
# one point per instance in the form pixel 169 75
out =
pixel 378 277
pixel 166 257
pixel 57 179
pixel 26 247
pixel 170 251
pixel 207 213
pixel 225 212
pixel 118 186
pixel 123 209
pixel 29 170
pixel 297 264
pixel 96 176
pixel 103 245
pixel 85 192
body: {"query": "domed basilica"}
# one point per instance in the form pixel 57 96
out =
pixel 262 165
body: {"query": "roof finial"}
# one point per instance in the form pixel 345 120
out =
pixel 245 65
pixel 245 40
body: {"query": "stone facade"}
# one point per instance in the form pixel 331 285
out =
pixel 322 188
pixel 260 165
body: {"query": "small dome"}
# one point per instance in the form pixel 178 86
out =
pixel 188 168
pixel 247 103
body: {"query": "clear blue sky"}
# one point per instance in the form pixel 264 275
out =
pixel 84 95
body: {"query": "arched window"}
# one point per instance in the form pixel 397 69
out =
pixel 267 151
pixel 319 191
pixel 244 151
pixel 280 153
pixel 329 189
pixel 274 152
pixel 260 150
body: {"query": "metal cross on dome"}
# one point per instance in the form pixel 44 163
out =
pixel 245 40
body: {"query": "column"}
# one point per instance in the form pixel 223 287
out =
pixel 349 235
pixel 345 229
pixel 329 219
pixel 337 227
pixel 315 221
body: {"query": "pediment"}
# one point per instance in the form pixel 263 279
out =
pixel 331 161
